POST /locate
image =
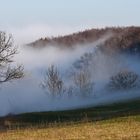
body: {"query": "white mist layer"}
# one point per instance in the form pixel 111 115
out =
pixel 32 32
pixel 25 95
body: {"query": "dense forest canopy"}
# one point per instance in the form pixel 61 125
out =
pixel 121 38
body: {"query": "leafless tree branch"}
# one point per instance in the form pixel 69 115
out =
pixel 7 52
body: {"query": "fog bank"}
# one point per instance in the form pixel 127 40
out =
pixel 26 95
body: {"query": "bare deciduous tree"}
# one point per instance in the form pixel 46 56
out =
pixel 7 52
pixel 83 82
pixel 124 80
pixel 52 81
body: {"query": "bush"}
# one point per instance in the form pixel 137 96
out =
pixel 124 80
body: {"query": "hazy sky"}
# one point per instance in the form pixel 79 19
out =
pixel 29 20
pixel 69 12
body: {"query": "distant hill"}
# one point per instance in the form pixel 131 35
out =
pixel 122 38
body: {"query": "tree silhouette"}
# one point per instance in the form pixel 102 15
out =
pixel 124 80
pixel 7 52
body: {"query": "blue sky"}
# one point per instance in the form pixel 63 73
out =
pixel 29 20
pixel 70 12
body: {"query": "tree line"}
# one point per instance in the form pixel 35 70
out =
pixel 53 83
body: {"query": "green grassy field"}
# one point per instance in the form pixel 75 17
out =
pixel 115 121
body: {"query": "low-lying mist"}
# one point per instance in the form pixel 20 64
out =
pixel 26 95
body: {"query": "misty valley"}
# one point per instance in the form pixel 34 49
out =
pixel 69 70
pixel 85 69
